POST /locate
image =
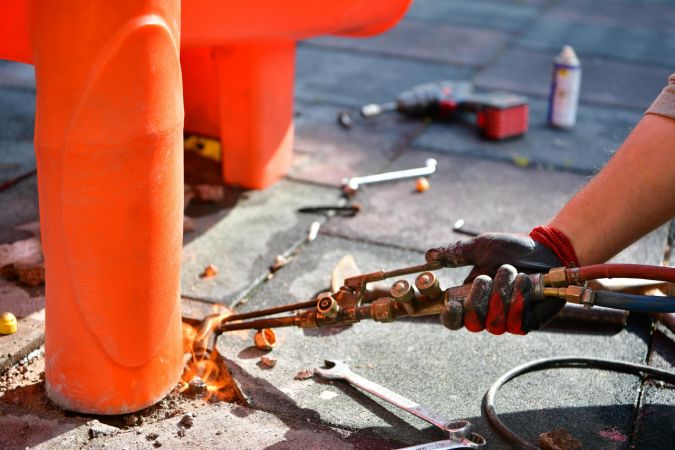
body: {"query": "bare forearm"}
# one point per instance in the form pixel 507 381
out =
pixel 631 196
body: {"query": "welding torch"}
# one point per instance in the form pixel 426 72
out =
pixel 350 303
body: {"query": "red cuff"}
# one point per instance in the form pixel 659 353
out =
pixel 557 242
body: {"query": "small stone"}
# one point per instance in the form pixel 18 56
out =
pixel 139 431
pixel 97 429
pixel 304 375
pixel 218 433
pixel 181 433
pixel 279 262
pixel 151 436
pixel 268 362
pixel 156 444
pixel 186 421
pixel 344 119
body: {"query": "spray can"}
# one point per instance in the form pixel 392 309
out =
pixel 564 97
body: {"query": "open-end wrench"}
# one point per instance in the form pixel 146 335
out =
pixel 351 185
pixel 459 431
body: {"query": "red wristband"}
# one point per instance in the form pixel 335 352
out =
pixel 557 242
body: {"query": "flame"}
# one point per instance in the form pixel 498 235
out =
pixel 207 365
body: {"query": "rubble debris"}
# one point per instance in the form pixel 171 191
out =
pixel 23 260
pixel 279 262
pixel 265 339
pixel 97 429
pixel 8 323
pixel 268 362
pixel 186 421
pixel 304 375
pixel 209 193
pixel 422 185
pixel 209 271
pixel 156 444
pixel 188 224
pixel 151 436
pixel 560 439
pixel 31 275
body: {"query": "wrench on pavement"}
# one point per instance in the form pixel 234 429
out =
pixel 353 184
pixel 459 431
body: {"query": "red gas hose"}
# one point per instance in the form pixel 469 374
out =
pixel 658 273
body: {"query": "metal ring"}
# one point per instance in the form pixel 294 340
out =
pixel 458 429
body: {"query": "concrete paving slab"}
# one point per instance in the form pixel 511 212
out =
pixel 463 188
pixel 489 196
pixel 310 270
pixel 17 75
pixel 513 15
pixel 410 39
pixel 655 423
pixel 244 243
pixel 29 311
pixel 585 148
pixel 603 81
pixel 636 44
pixel 19 205
pixel 422 361
pixel 21 431
pixel 236 427
pixel 654 15
pixel 352 79
pixel 325 153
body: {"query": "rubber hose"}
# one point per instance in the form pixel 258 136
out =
pixel 548 363
pixel 659 273
pixel 632 302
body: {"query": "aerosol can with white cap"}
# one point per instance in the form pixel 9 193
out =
pixel 564 97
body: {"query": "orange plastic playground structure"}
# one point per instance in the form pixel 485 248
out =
pixel 238 64
pixel 108 140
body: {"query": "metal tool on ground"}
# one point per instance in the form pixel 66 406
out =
pixel 351 185
pixel 339 210
pixel 350 304
pixel 458 227
pixel 459 431
pixel 499 115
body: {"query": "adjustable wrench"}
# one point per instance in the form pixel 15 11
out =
pixel 459 431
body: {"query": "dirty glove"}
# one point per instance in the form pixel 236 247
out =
pixel 504 303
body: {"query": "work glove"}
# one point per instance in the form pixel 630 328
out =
pixel 500 299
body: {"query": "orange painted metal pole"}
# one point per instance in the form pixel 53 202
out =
pixel 109 150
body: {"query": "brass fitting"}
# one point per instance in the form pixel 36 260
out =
pixel 404 293
pixel 556 277
pixel 381 310
pixel 428 285
pixel 572 294
pixel 328 306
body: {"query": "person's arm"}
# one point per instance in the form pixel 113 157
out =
pixel 632 195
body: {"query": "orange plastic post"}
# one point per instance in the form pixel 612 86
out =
pixel 109 150
pixel 255 88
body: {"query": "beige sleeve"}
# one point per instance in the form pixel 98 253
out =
pixel 664 105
